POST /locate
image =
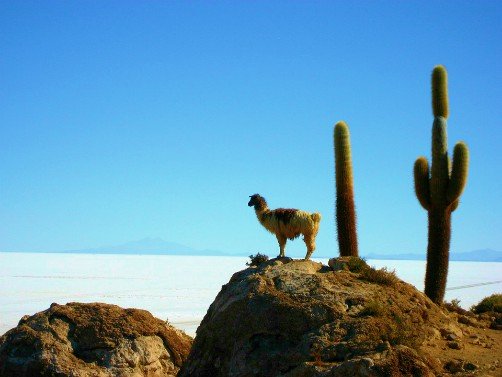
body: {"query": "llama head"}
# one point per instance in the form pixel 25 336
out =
pixel 257 201
pixel 254 199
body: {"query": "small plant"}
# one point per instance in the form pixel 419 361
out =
pixel 257 259
pixel 372 309
pixel 454 306
pixel 359 266
pixel 356 264
pixel 491 303
pixel 316 355
pixel 404 334
pixel 380 276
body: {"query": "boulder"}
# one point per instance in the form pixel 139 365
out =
pixel 300 318
pixel 92 340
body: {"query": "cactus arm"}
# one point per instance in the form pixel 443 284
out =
pixel 440 174
pixel 458 172
pixel 454 205
pixel 440 92
pixel 421 175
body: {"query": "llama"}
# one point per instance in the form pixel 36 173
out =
pixel 287 223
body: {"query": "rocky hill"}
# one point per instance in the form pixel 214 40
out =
pixel 300 318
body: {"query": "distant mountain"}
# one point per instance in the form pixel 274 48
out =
pixel 483 255
pixel 405 256
pixel 156 246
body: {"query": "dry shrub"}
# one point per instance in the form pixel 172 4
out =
pixel 454 306
pixel 372 309
pixel 257 259
pixel 380 276
pixel 404 334
pixel 491 303
pixel 356 264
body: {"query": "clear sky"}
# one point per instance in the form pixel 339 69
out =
pixel 121 120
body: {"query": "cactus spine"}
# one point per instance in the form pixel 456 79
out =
pixel 345 209
pixel 439 189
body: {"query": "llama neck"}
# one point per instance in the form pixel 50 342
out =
pixel 261 213
pixel 260 209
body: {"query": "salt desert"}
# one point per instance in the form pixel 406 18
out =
pixel 177 288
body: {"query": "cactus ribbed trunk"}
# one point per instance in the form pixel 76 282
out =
pixel 345 207
pixel 346 225
pixel 438 254
pixel 439 188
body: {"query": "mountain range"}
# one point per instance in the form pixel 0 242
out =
pixel 482 255
pixel 152 246
pixel 158 246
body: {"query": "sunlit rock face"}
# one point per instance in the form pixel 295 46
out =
pixel 92 340
pixel 300 318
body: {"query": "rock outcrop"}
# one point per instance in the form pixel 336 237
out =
pixel 92 340
pixel 300 318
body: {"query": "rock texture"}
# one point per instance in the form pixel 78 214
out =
pixel 92 340
pixel 300 318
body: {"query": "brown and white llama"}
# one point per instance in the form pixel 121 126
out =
pixel 287 223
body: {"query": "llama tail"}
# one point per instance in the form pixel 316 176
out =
pixel 316 217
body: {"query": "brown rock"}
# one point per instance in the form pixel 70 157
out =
pixel 468 321
pixel 470 366
pixel 451 331
pixel 496 322
pixel 454 366
pixel 339 264
pixel 454 345
pixel 92 340
pixel 295 319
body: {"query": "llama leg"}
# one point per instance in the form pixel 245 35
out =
pixel 282 244
pixel 310 243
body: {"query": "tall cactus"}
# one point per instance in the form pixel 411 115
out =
pixel 439 189
pixel 345 209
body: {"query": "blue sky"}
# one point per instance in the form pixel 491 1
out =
pixel 121 120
